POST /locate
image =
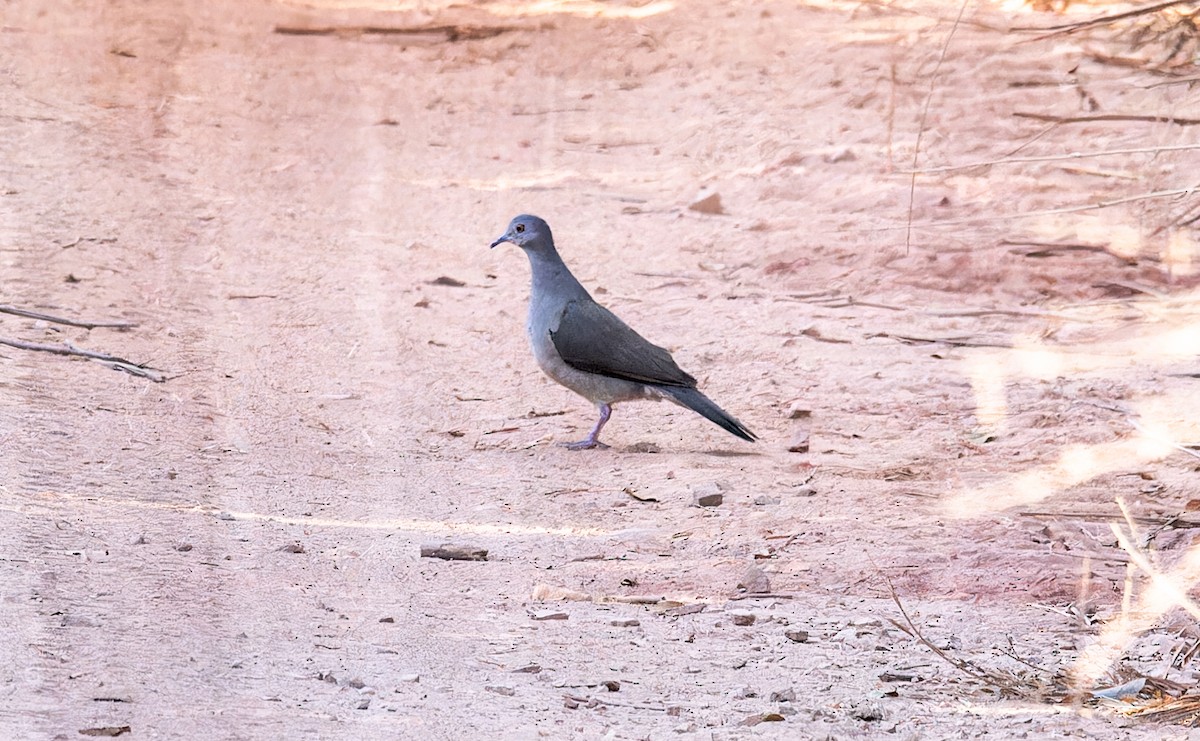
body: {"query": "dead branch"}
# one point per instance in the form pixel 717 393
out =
pixel 1049 249
pixel 952 341
pixel 1028 214
pixel 892 7
pixel 1174 81
pixel 111 361
pixel 1066 28
pixel 16 311
pixel 843 301
pixel 1011 652
pixel 1131 418
pixel 594 701
pixel 1151 118
pixel 1177 595
pixel 1057 157
pixel 1128 63
pixel 1157 522
pixel 1187 218
pixel 1181 448
pixel 450 33
pixel 851 301
pixel 1132 288
pixel 911 628
pixel 1031 140
pixel 1031 313
pixel 912 183
pixel 454 552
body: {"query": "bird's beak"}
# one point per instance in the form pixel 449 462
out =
pixel 501 240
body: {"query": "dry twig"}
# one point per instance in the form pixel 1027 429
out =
pixel 1057 157
pixel 952 341
pixel 594 701
pixel 1004 682
pixel 1066 28
pixel 1165 585
pixel 1102 117
pixel 111 361
pixel 450 32
pixel 912 183
pixel 1157 522
pixel 17 311
pixel 1027 214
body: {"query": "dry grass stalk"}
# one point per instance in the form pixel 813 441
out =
pixel 1008 684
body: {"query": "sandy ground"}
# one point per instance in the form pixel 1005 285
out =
pixel 234 553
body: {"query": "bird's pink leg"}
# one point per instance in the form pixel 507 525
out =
pixel 592 440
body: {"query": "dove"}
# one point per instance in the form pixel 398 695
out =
pixel 589 350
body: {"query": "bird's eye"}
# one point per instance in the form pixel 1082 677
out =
pixel 520 228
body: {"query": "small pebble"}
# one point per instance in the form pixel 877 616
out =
pixel 754 581
pixel 707 203
pixel 708 494
pixel 454 552
pixel 626 623
pixel 796 636
pixel 692 609
pixel 549 615
pixel 798 410
pixel 757 718
pixel 742 617
pixel 868 711
pixel 842 155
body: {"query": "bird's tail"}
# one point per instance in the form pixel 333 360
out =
pixel 704 406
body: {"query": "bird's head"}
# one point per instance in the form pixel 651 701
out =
pixel 527 232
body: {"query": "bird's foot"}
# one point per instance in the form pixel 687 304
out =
pixel 593 438
pixel 587 444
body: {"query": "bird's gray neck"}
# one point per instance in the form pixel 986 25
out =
pixel 552 278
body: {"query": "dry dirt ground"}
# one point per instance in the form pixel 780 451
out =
pixel 298 223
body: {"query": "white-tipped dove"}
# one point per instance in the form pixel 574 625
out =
pixel 586 348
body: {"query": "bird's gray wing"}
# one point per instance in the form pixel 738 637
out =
pixel 591 338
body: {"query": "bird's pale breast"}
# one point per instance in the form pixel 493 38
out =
pixel 591 386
